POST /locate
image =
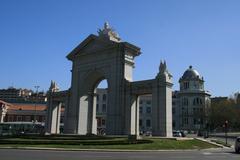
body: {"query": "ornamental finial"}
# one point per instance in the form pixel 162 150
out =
pixel 163 69
pixel 109 33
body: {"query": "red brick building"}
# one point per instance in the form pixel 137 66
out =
pixel 22 112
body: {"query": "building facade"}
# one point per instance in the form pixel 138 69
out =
pixel 191 102
pixel 22 112
pixel 145 114
pixel 19 95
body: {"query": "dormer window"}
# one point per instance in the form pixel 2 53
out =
pixel 185 102
pixel 186 85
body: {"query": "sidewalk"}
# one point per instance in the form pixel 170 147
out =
pixel 209 140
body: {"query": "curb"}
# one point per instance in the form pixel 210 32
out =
pixel 102 150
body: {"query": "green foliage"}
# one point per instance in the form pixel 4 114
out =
pixel 225 110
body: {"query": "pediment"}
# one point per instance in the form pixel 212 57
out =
pixel 91 44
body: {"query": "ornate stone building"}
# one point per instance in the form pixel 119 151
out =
pixel 191 102
pixel 105 56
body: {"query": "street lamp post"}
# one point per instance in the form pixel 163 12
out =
pixel 226 130
pixel 35 110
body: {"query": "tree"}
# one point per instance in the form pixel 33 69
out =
pixel 224 110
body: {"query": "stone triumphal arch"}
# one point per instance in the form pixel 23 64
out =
pixel 105 56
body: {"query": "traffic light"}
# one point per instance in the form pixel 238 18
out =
pixel 226 124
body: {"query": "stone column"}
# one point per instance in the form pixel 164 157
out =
pixel 54 116
pixel 83 115
pixel 135 111
pixel 66 112
pixel 132 114
pixel 48 114
pixel 3 112
pixel 90 114
pixel 94 123
pixel 1 118
pixel 116 117
pixel 92 126
pixel 134 127
pixel 71 114
pixel 162 104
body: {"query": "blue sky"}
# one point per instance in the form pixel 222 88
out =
pixel 36 36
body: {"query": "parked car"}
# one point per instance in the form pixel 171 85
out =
pixel 237 145
pixel 177 134
pixel 183 133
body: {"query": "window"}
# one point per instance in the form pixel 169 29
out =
pixel 28 118
pixel 99 122
pixel 10 118
pixel 185 111
pixel 97 108
pixel 141 102
pixel 173 111
pixel 185 120
pixel 97 97
pixel 37 118
pixel 140 122
pixel 197 101
pixel 140 110
pixel 43 119
pixel 148 110
pixel 104 108
pixel 149 102
pixel 185 102
pixel 19 118
pixel 173 124
pixel 103 122
pixel 186 85
pixel 148 123
pixel 195 121
pixel 61 119
pixel 104 97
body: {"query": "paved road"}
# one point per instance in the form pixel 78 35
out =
pixel 221 154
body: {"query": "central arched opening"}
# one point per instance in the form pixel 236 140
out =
pixel 101 106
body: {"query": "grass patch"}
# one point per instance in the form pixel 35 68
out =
pixel 122 143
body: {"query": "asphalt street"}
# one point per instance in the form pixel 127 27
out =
pixel 220 154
